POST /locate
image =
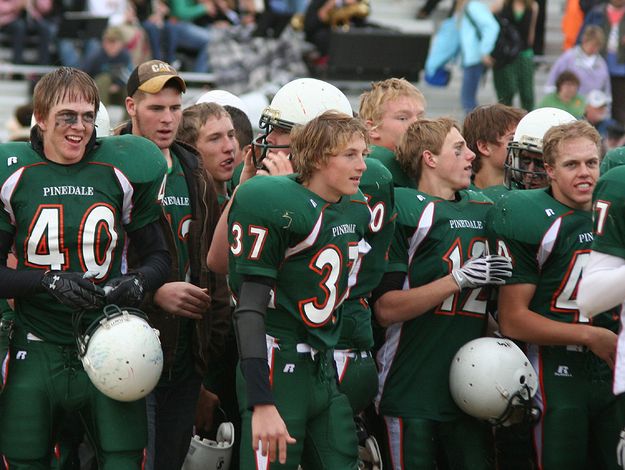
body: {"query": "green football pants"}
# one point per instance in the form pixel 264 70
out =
pixel 416 443
pixel 44 383
pixel 357 376
pixel 314 411
pixel 581 417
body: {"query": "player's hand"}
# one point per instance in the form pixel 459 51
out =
pixel 602 342
pixel 270 433
pixel 205 410
pixel 249 169
pixel 482 271
pixel 183 299
pixel 73 290
pixel 276 163
pixel 125 291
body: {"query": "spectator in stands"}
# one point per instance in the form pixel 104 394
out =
pixel 518 76
pixel 188 35
pixel 153 18
pixel 597 113
pixel 12 23
pixel 566 96
pixel 43 17
pixel 319 19
pixel 610 17
pixel 18 126
pixel 110 65
pixel 586 62
pixel 478 30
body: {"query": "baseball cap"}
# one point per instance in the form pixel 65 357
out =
pixel 151 77
pixel 597 99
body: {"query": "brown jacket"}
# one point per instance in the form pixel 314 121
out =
pixel 211 332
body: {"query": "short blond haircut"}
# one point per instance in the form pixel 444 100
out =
pixel 372 101
pixel 554 137
pixel 64 83
pixel 422 135
pixel 323 137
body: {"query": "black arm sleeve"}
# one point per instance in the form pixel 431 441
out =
pixel 149 243
pixel 249 326
pixel 390 281
pixel 15 283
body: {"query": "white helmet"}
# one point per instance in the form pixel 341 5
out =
pixel 223 98
pixel 205 454
pixel 529 137
pixel 122 354
pixel 298 102
pixel 102 122
pixel 491 379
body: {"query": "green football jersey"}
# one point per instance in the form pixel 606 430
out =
pixel 389 160
pixel 432 237
pixel 281 230
pixel 549 244
pixel 177 207
pixel 609 217
pixel 75 217
pixel 377 186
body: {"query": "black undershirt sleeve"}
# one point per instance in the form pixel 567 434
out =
pixel 14 283
pixel 149 243
pixel 390 281
pixel 249 326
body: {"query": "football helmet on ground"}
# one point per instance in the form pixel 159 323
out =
pixel 206 454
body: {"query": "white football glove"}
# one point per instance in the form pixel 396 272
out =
pixel 482 271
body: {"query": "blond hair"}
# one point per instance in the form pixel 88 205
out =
pixel 555 137
pixel 323 137
pixel 422 135
pixel 372 101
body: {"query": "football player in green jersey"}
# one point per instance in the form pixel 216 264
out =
pixel 293 242
pixel 388 108
pixel 432 300
pixel 601 287
pixel 71 203
pixel 184 309
pixel 488 130
pixel 548 234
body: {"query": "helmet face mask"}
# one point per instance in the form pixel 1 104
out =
pixel 492 379
pixel 524 167
pixel 296 103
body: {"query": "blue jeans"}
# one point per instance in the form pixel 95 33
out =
pixel 17 32
pixel 171 414
pixel 155 38
pixel 69 54
pixel 189 36
pixel 470 81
